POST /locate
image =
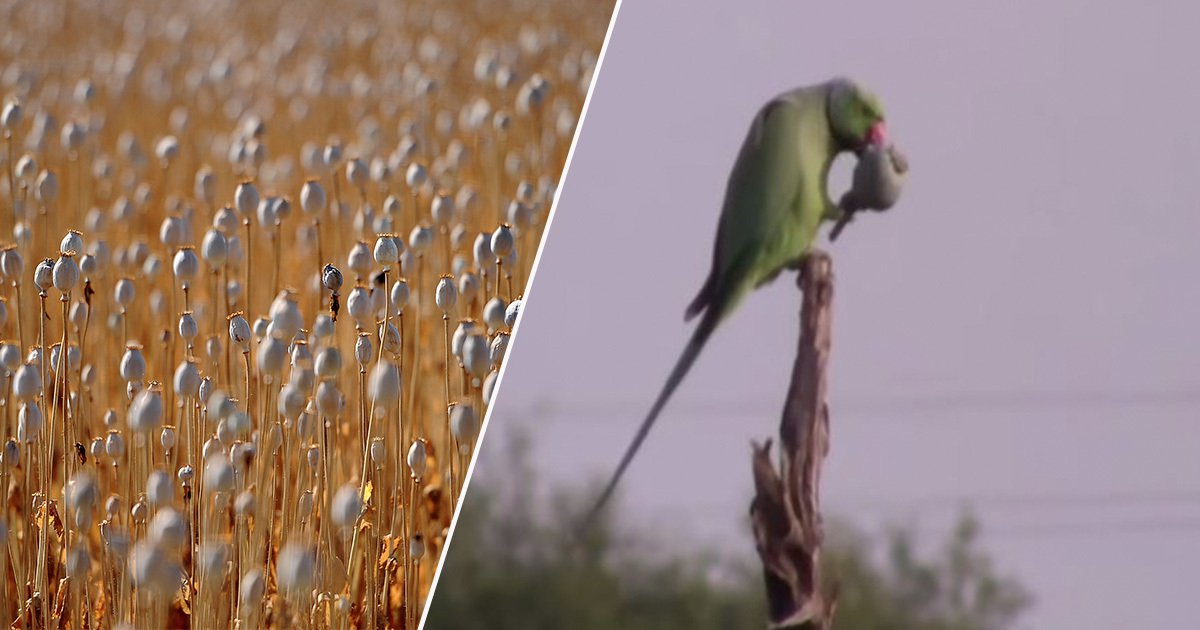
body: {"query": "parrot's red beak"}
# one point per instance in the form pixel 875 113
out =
pixel 877 134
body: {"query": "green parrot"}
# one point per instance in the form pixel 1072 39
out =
pixel 775 201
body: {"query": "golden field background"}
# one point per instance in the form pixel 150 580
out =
pixel 167 475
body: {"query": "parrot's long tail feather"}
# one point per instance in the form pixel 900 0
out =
pixel 705 328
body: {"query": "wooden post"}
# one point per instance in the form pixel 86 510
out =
pixel 785 513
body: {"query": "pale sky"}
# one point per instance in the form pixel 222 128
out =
pixel 1018 333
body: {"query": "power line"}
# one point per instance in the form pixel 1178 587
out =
pixel 1026 501
pixel 882 407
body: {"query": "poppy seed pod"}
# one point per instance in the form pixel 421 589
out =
pixel 11 454
pixel 214 248
pixel 188 328
pixel 291 401
pixel 285 315
pixel 27 384
pixel 239 331
pixel 46 187
pixel 168 529
pixel 26 168
pixel 442 208
pixel 166 149
pixel 301 356
pixel 245 198
pixel 465 328
pixel 378 451
pixel 499 348
pixel 12 265
pixel 29 422
pixel 489 386
pixel 512 314
pixel 296 568
pixel 399 295
pixel 281 207
pixel 305 507
pixel 464 424
pixel 167 438
pixel 88 265
pixel 72 242
pixel 357 172
pixel 114 445
pixel 328 363
pixel 384 386
pixel 205 185
pixel 159 489
pixel 323 326
pixel 245 505
pixel 420 238
pixel 146 411
pixel 392 205
pixel 133 364
pixel 266 211
pixel 407 259
pixel 10 356
pixel 468 285
pixel 417 459
pixel 253 585
pixel 172 231
pixel 151 267
pixel 187 379
pixel 416 175
pixel 312 197
pixel 12 115
pixel 362 349
pixel 446 294
pixel 346 506
pixel 43 275
pixel 272 353
pixel 416 547
pixel 79 562
pixel 226 222
pixel 502 241
pixel 331 278
pixel 358 305
pixel 218 474
pixel 332 155
pixel 124 292
pixel 476 355
pixel 519 215
pixel 186 265
pixel 329 399
pixel 359 259
pixel 261 327
pixel 493 313
pixel 386 253
pixel 389 337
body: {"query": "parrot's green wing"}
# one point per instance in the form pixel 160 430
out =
pixel 777 180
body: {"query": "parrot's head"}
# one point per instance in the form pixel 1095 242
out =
pixel 856 116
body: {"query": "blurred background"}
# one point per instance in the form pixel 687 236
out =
pixel 1015 342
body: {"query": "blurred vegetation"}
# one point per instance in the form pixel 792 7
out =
pixel 515 563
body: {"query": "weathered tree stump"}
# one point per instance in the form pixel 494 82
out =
pixel 785 512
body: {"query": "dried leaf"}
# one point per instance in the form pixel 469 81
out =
pixel 54 519
pixel 60 603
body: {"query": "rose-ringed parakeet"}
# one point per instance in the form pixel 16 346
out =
pixel 775 201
